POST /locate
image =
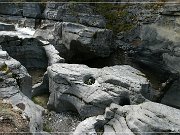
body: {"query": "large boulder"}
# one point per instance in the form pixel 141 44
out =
pixel 79 41
pixel 157 49
pixel 147 118
pixel 86 41
pixel 89 90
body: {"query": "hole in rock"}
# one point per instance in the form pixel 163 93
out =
pixel 89 80
pixel 156 76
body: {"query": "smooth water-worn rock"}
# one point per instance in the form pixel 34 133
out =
pixel 16 86
pixel 53 55
pixel 146 118
pixel 89 90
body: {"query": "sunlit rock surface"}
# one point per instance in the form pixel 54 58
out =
pixel 146 118
pixel 89 90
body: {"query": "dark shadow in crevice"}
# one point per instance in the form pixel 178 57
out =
pixel 124 101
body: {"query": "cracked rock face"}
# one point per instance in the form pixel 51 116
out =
pixel 89 90
pixel 142 119
pixel 15 87
pixel 13 72
pixel 81 13
pixel 80 42
pixel 86 41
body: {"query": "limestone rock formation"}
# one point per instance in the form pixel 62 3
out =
pixel 15 83
pixel 53 55
pixel 76 13
pixel 86 40
pixel 146 118
pixel 10 65
pixel 89 90
pixel 80 41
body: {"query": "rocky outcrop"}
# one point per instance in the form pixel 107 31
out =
pixel 15 83
pixel 154 46
pixel 17 71
pixel 21 21
pixel 86 41
pixel 89 90
pixel 76 13
pixel 81 42
pixel 147 118
pixel 30 10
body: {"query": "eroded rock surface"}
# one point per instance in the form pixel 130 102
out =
pixel 14 83
pixel 146 118
pixel 81 42
pixel 17 73
pixel 76 13
pixel 89 90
